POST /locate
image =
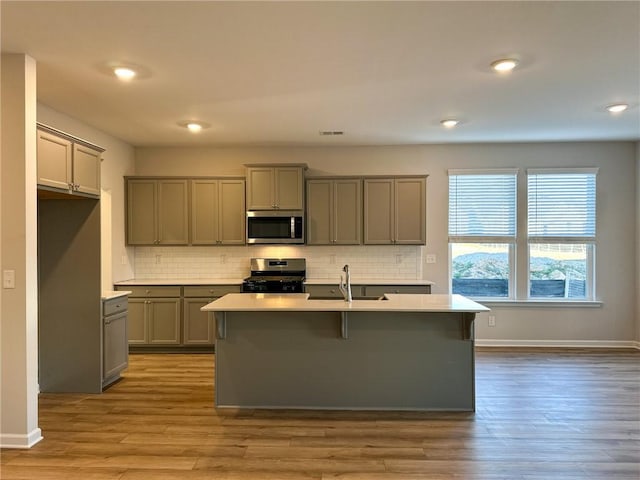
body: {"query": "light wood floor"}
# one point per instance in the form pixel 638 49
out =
pixel 540 415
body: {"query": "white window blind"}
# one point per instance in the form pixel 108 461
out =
pixel 562 206
pixel 482 206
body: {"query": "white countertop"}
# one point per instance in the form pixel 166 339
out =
pixel 111 294
pixel 368 281
pixel 238 281
pixel 181 281
pixel 298 302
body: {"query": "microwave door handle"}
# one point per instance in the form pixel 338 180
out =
pixel 293 227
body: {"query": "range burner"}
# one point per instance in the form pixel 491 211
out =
pixel 276 275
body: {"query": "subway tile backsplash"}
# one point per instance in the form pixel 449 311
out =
pixel 366 261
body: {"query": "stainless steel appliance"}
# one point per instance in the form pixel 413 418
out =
pixel 276 275
pixel 275 226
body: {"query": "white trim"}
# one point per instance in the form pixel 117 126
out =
pixel 561 170
pixel 546 303
pixel 483 171
pixel 494 342
pixel 8 440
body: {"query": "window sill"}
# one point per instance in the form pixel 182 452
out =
pixel 539 303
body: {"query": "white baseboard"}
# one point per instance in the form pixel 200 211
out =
pixel 489 342
pixel 8 440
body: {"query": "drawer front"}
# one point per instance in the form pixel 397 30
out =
pixel 379 290
pixel 115 305
pixel 210 290
pixel 153 291
pixel 330 291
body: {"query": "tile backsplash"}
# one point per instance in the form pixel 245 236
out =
pixel 366 261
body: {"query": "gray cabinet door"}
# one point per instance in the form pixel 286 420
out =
pixel 137 325
pixel 395 210
pixel 54 160
pixel 347 209
pixel 141 212
pixel 260 188
pixel 173 215
pixel 198 328
pixel 86 170
pixel 271 188
pixel 115 345
pixel 232 212
pixel 319 212
pixel 204 212
pixel 410 211
pixel 164 321
pixel 334 211
pixel 289 194
pixel 378 211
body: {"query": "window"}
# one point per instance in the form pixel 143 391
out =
pixel 557 252
pixel 482 232
pixel 561 232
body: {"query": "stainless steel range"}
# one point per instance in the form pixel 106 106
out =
pixel 276 275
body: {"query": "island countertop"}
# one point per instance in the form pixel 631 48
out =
pixel 299 302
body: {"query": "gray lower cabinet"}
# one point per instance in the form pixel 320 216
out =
pixel 169 316
pixel 154 315
pixel 198 326
pixel 115 348
pixel 364 291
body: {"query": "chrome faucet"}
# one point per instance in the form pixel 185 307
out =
pixel 345 284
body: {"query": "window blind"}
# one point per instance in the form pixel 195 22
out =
pixel 562 206
pixel 482 207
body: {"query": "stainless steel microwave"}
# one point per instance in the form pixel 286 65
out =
pixel 275 226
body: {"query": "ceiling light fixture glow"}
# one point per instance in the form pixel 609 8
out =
pixel 504 65
pixel 450 123
pixel 124 73
pixel 194 126
pixel 617 108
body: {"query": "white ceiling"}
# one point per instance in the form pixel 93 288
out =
pixel 277 73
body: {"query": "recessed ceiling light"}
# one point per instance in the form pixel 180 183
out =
pixel 504 65
pixel 617 108
pixel 124 73
pixel 450 122
pixel 194 126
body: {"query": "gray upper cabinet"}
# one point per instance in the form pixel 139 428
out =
pixel 334 211
pixel 218 212
pixel 157 212
pixel 64 164
pixel 395 211
pixel 275 187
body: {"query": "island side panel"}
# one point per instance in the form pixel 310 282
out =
pixel 390 361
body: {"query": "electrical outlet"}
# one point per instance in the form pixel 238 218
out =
pixel 123 260
pixel 492 320
pixel 398 258
pixel 9 279
pixel 430 258
pixel 158 258
pixel 223 258
pixel 332 259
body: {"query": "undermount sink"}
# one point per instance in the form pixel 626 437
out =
pixel 354 298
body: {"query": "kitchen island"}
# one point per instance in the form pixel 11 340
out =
pixel 403 352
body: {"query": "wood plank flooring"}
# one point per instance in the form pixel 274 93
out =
pixel 541 414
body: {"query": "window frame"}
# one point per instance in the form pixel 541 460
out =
pixel 519 245
pixel 509 240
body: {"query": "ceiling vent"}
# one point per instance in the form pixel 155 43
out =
pixel 327 133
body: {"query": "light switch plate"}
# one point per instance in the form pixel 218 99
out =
pixel 8 279
pixel 430 258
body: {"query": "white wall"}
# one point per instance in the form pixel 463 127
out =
pixel 637 290
pixel 117 161
pixel 612 324
pixel 19 315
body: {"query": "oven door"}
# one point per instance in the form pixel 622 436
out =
pixel 275 227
